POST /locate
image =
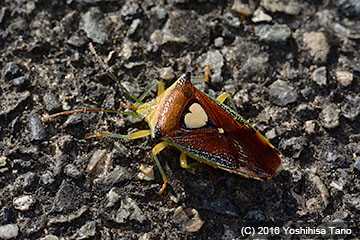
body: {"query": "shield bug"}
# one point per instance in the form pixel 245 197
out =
pixel 201 127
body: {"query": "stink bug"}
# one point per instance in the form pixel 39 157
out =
pixel 201 127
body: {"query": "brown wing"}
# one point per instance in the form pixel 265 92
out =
pixel 221 138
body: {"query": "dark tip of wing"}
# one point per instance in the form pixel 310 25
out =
pixel 186 77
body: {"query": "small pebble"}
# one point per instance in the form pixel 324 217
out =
pixel 23 203
pixel 77 41
pixel 189 218
pixel 88 230
pixel 223 206
pixel 329 116
pixel 71 171
pixel 351 109
pixel 37 130
pixel 3 161
pixel 241 8
pixel 232 20
pixel 310 127
pixel 129 10
pixel 47 178
pixel 261 16
pixel 112 197
pixel 270 134
pixel 51 102
pixel 337 185
pixel 273 33
pixel 119 174
pixel 219 42
pixel 318 46
pixel 9 231
pixel 345 78
pixel 93 24
pixel 95 159
pixel 319 76
pixel 288 7
pixel 281 93
pixel 216 60
pixel 133 27
pixel 167 73
pixel 146 173
pixel 159 12
pixel 129 211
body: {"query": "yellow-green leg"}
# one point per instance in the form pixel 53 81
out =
pixel 161 89
pixel 223 97
pixel 204 78
pixel 158 148
pixel 184 163
pixel 134 135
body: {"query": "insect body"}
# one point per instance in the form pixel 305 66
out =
pixel 203 128
pixel 209 131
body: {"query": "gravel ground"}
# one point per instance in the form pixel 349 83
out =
pixel 292 67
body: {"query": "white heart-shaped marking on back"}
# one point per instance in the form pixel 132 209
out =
pixel 196 118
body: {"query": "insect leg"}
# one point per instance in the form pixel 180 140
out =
pixel 89 110
pixel 223 97
pixel 160 86
pixel 158 148
pixel 134 135
pixel 204 78
pixel 184 164
pixel 111 75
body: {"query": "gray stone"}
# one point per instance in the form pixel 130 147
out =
pixel 51 102
pixel 288 7
pixel 86 231
pixel 71 171
pixel 129 10
pixel 223 206
pixel 185 28
pixel 93 24
pixel 351 109
pixel 9 231
pixel 241 8
pixel 66 198
pixel 167 73
pixel 216 61
pixel 260 16
pixel 231 20
pixel 345 78
pixel 128 211
pixel 133 27
pixel 219 42
pixel 37 129
pixel 319 76
pixel 318 46
pixel 47 178
pixel 119 174
pixel 329 116
pixel 273 33
pixel 281 93
pixel 76 41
